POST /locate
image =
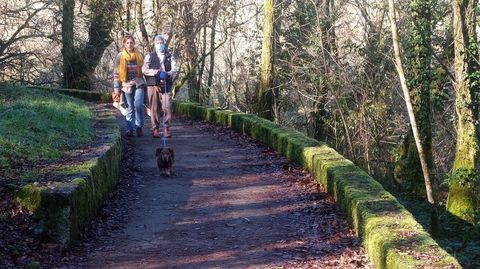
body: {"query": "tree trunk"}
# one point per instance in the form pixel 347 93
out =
pixel 191 51
pixel 329 29
pixel 325 31
pixel 128 22
pixel 158 15
pixel 266 66
pixel 408 170
pixel 202 65
pixel 463 200
pixel 141 25
pixel 79 67
pixel 411 114
pixel 212 53
pixel 68 50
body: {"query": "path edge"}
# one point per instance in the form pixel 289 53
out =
pixel 390 234
pixel 63 209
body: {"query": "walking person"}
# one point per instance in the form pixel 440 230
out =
pixel 159 69
pixel 129 68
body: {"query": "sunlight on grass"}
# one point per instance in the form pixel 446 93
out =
pixel 75 169
pixel 38 125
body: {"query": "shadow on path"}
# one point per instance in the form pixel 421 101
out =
pixel 230 204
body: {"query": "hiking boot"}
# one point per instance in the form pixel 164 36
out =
pixel 139 132
pixel 156 133
pixel 129 133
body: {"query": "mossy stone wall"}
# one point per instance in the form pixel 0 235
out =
pixel 390 234
pixel 64 208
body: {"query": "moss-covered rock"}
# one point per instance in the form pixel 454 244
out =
pixel 463 196
pixel 66 207
pixel 391 235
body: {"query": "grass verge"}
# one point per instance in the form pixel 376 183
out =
pixel 39 126
pixel 60 155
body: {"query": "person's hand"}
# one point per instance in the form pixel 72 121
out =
pixel 116 96
pixel 163 75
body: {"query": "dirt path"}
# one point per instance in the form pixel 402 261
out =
pixel 231 204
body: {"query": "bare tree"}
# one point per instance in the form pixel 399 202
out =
pixel 22 23
pixel 141 23
pixel 411 115
pixel 418 55
pixel 213 31
pixel 70 59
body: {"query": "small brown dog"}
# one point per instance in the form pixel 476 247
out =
pixel 165 160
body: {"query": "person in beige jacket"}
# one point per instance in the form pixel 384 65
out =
pixel 160 69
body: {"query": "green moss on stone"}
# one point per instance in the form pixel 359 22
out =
pixel 391 235
pixel 463 195
pixel 66 207
pixel 30 197
pixel 221 117
pixel 76 169
pixel 210 114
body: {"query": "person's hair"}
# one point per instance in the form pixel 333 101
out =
pixel 127 37
pixel 160 38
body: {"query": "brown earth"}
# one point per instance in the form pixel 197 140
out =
pixel 231 204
